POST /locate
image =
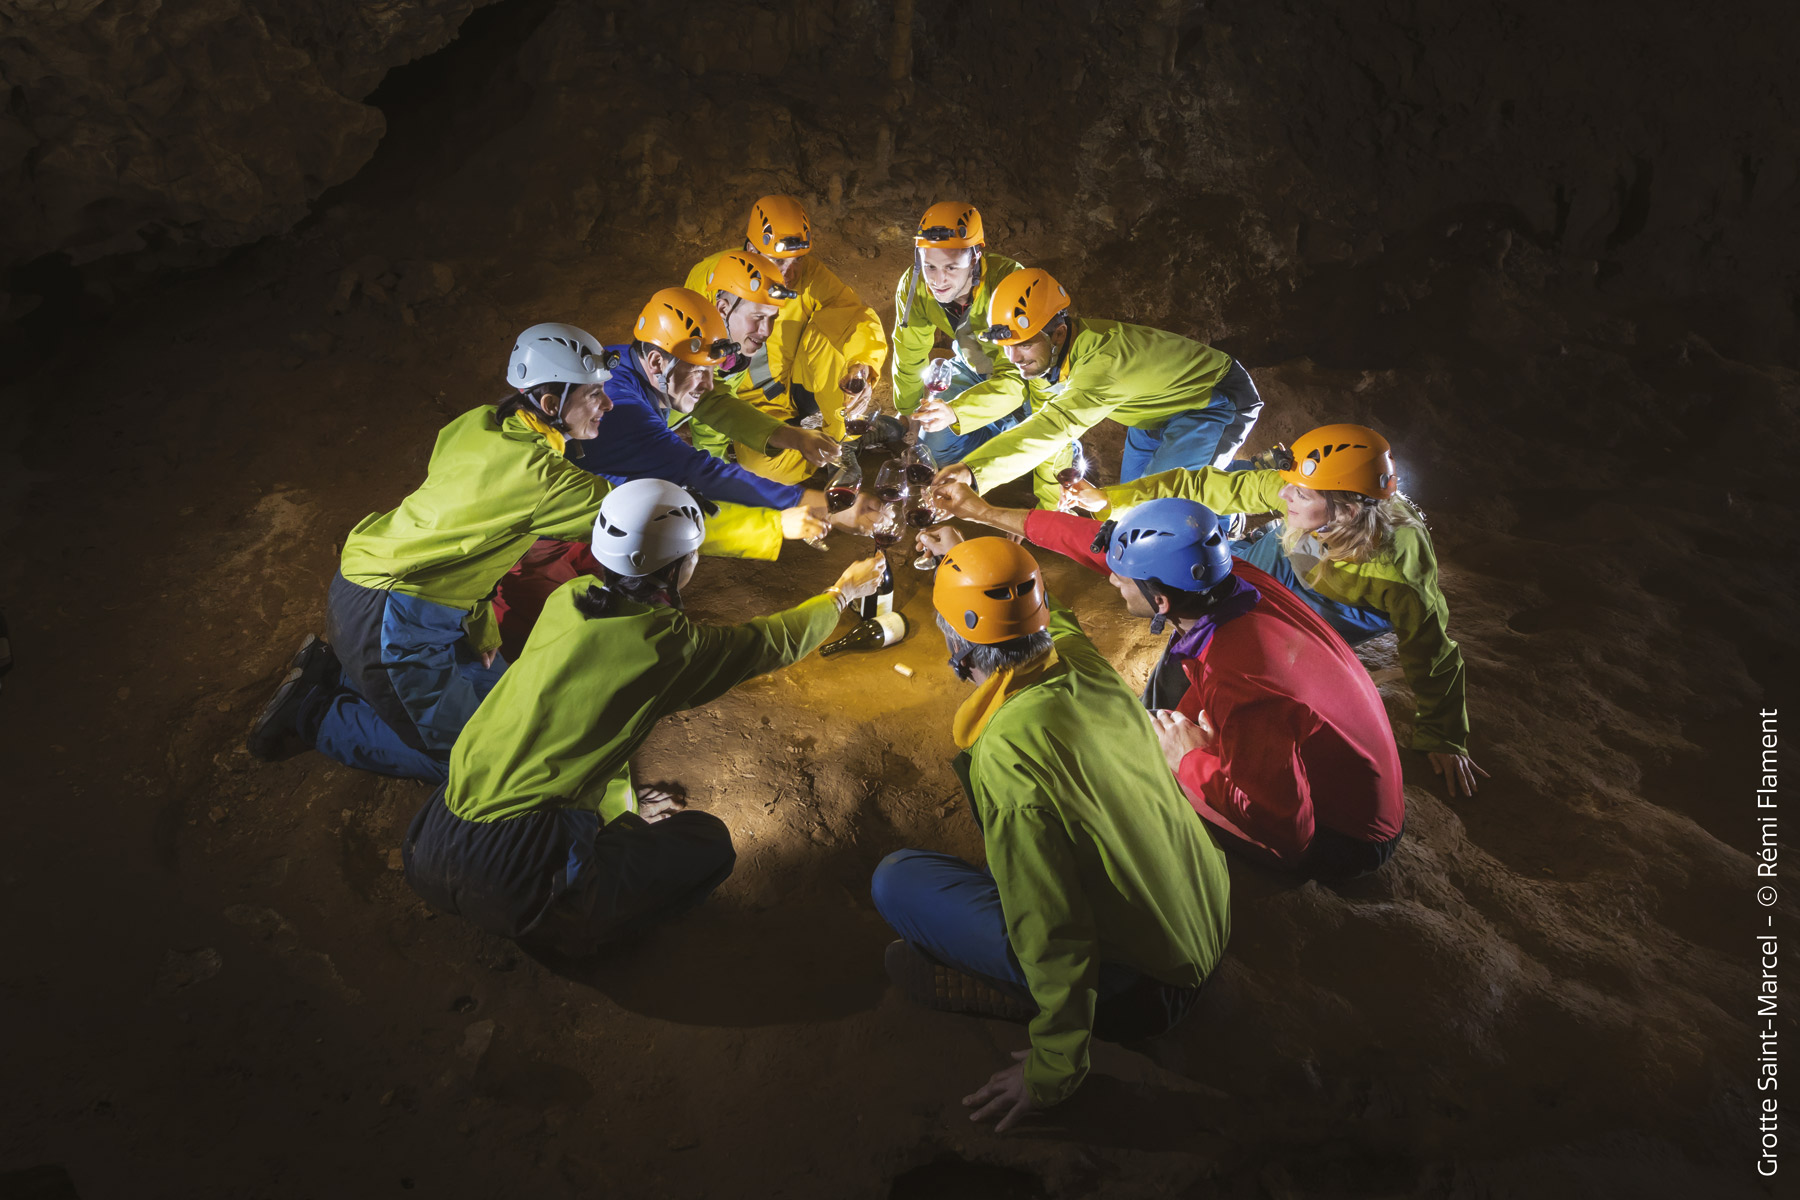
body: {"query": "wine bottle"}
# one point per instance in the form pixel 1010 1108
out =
pixel 882 602
pixel 872 634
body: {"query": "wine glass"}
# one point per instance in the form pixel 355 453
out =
pixel 890 481
pixel 889 525
pixel 1074 473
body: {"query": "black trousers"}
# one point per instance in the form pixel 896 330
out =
pixel 556 879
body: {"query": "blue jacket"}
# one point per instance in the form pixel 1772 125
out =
pixel 635 442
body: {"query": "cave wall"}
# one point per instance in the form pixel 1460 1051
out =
pixel 1651 142
pixel 162 128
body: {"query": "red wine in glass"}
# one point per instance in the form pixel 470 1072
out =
pixel 918 518
pixel 1068 475
pixel 890 493
pixel 919 473
pixel 854 385
pixel 885 537
pixel 856 426
pixel 838 499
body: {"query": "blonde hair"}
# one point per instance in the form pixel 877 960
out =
pixel 1358 528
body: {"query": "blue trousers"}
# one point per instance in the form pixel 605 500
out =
pixel 950 910
pixel 1200 437
pixel 948 446
pixel 410 683
pixel 1354 624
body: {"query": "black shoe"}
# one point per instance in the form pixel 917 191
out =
pixel 275 733
pixel 945 989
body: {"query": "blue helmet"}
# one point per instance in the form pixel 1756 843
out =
pixel 1173 543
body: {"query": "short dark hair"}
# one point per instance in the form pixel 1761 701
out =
pixel 602 601
pixel 1185 605
pixel 995 657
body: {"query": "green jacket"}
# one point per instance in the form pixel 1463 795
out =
pixel 1401 583
pixel 913 340
pixel 1096 852
pixel 560 727
pixel 1136 375
pixel 492 488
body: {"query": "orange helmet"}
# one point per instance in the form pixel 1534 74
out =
pixel 749 276
pixel 989 590
pixel 949 225
pixel 1024 305
pixel 1344 458
pixel 686 325
pixel 779 228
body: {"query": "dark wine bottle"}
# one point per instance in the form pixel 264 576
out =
pixel 873 634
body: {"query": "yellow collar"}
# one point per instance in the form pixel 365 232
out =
pixel 994 691
pixel 557 441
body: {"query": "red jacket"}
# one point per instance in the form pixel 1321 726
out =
pixel 1303 741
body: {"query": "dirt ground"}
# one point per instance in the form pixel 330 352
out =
pixel 216 982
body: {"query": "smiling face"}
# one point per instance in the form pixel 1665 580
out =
pixel 582 411
pixel 686 383
pixel 950 274
pixel 746 322
pixel 1034 356
pixel 1306 509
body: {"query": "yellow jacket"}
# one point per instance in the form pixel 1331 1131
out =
pixel 1400 582
pixel 849 324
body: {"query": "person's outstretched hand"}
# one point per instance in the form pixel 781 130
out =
pixel 933 414
pixel 953 498
pixel 815 447
pixel 939 540
pixel 1179 736
pixel 861 577
pixel 1003 1096
pixel 1458 770
pixel 1083 495
pixel 802 521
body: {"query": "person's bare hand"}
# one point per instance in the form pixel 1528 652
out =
pixel 953 498
pixel 803 521
pixel 939 540
pixel 862 577
pixel 1083 495
pixel 933 414
pixel 659 801
pixel 954 473
pixel 1458 770
pixel 814 446
pixel 488 657
pixel 1179 736
pixel 861 516
pixel 1004 1095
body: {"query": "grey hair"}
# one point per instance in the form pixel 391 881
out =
pixel 992 659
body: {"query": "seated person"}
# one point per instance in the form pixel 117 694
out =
pixel 1269 721
pixel 1355 550
pixel 747 289
pixel 538 834
pixel 412 644
pixel 1104 904
pixel 943 321
pixel 825 345
pixel 1182 404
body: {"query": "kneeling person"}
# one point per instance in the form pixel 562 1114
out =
pixel 1265 715
pixel 538 835
pixel 1104 903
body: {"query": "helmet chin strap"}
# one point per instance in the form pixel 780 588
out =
pixel 1157 619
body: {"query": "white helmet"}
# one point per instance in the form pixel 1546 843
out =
pixel 555 353
pixel 645 525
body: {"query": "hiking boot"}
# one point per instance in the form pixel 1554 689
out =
pixel 931 984
pixel 276 732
